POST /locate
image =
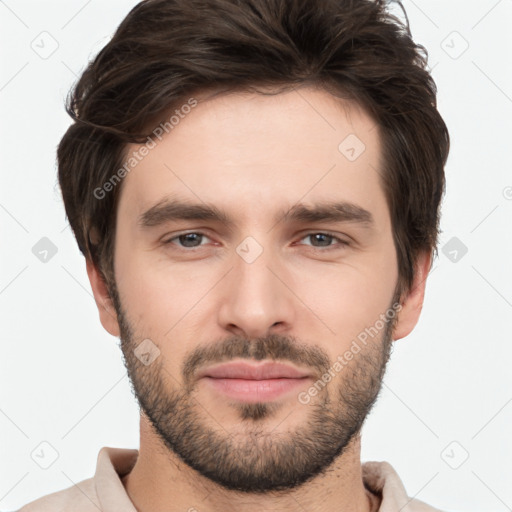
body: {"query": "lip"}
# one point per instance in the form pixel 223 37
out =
pixel 251 371
pixel 252 383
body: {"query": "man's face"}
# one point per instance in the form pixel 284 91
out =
pixel 267 282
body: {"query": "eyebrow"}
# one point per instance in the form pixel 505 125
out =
pixel 168 210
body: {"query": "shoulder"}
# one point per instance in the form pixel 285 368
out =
pixel 382 479
pixel 80 497
pixel 87 495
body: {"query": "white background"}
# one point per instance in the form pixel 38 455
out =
pixel 62 377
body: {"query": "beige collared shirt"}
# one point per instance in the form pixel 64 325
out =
pixel 105 490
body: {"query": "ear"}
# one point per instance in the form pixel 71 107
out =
pixel 412 303
pixel 108 315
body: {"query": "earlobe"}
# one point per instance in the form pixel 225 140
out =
pixel 412 303
pixel 108 315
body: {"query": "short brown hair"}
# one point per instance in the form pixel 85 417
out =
pixel 166 50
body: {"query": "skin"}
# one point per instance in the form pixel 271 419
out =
pixel 254 156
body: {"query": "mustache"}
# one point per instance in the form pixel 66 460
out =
pixel 272 347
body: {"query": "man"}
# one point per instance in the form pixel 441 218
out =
pixel 255 186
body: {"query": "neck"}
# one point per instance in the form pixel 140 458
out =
pixel 160 481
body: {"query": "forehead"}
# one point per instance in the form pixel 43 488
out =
pixel 253 152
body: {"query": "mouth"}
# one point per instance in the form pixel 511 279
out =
pixel 249 382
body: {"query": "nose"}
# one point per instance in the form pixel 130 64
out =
pixel 255 298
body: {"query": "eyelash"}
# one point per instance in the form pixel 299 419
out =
pixel 340 241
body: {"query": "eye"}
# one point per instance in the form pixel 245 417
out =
pixel 319 240
pixel 324 240
pixel 187 240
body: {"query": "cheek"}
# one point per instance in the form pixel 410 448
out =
pixel 344 299
pixel 163 299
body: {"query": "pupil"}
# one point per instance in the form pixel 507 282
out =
pixel 185 241
pixel 326 238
